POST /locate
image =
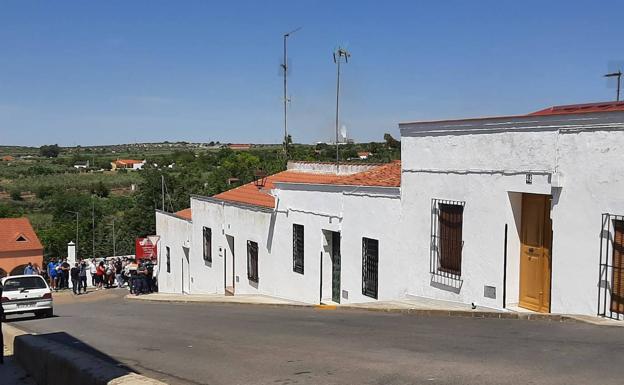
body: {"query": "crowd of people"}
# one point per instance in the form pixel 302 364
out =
pixel 140 277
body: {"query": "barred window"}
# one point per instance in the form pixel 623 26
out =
pixel 168 260
pixel 298 248
pixel 207 244
pixel 252 261
pixel 447 242
pixel 370 267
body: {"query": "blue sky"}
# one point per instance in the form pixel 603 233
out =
pixel 101 72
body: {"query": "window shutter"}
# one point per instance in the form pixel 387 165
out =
pixel 450 220
pixel 370 267
pixel 298 248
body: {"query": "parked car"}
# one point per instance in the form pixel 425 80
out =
pixel 27 294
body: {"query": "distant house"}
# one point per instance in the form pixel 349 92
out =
pixel 129 164
pixel 82 165
pixel 19 245
pixel 364 154
pixel 8 158
pixel 234 146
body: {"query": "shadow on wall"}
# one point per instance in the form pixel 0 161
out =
pixel 59 358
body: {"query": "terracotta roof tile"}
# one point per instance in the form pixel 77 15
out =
pixel 184 214
pixel 387 175
pixel 580 108
pixel 13 228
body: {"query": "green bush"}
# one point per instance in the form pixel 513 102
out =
pixel 16 195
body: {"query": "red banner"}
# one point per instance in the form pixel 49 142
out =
pixel 145 249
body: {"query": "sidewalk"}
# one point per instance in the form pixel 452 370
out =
pixel 412 305
pixel 250 299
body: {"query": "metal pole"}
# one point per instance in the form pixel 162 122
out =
pixel 114 250
pixel 618 87
pixel 285 68
pixel 93 224
pixel 76 234
pixel 162 179
pixel 337 103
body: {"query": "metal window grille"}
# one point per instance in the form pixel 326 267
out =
pixel 446 237
pixel 168 260
pixel 611 271
pixel 252 261
pixel 298 248
pixel 370 267
pixel 207 244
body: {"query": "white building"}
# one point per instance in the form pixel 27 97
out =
pixel 509 211
pixel 289 239
pixel 501 212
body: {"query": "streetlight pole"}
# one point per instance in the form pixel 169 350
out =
pixel 339 55
pixel 286 100
pixel 114 249
pixel 76 212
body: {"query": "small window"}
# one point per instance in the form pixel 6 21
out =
pixel 447 242
pixel 207 244
pixel 168 260
pixel 252 261
pixel 21 238
pixel 298 248
pixel 370 267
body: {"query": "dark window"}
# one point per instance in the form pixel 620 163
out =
pixel 168 260
pixel 447 240
pixel 370 267
pixel 298 248
pixel 207 244
pixel 24 283
pixel 252 261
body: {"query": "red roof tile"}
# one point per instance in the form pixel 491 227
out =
pixel 388 175
pixel 184 214
pixel 580 108
pixel 11 229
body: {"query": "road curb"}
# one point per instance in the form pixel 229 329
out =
pixel 50 362
pixel 551 317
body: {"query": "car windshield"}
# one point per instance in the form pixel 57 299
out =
pixel 27 283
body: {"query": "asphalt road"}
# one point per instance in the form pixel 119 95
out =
pixel 243 344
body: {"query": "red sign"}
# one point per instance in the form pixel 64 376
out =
pixel 145 249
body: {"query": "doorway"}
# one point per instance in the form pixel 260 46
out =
pixel 330 267
pixel 535 252
pixel 228 266
pixel 186 272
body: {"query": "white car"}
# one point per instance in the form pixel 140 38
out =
pixel 27 294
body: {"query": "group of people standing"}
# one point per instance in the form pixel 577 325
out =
pixel 139 277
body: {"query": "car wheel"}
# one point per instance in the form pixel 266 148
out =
pixel 49 313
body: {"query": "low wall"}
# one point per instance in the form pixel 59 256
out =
pixel 52 363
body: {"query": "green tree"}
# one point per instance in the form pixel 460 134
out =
pixel 50 151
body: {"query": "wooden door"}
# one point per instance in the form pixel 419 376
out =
pixel 617 276
pixel 535 258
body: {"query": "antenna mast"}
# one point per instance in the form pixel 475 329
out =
pixel 286 100
pixel 619 78
pixel 339 55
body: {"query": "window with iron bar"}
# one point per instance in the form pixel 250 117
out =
pixel 370 267
pixel 447 219
pixel 252 261
pixel 207 236
pixel 298 248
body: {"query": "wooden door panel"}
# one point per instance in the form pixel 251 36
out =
pixel 535 240
pixel 617 275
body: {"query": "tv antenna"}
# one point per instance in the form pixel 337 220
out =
pixel 286 99
pixel 339 55
pixel 617 74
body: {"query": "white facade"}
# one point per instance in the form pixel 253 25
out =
pixel 487 164
pixel 576 159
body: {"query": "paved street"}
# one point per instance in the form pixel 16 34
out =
pixel 239 344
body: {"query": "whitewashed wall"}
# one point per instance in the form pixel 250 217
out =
pixel 175 233
pixel 486 167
